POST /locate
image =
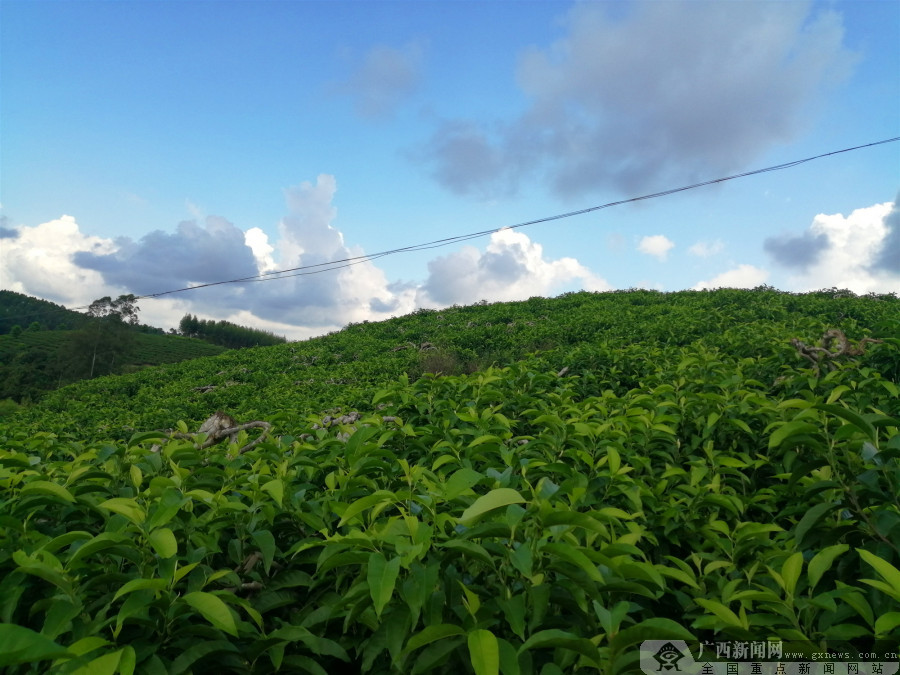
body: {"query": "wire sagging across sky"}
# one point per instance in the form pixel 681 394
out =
pixel 319 268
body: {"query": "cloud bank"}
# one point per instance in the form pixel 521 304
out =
pixel 57 261
pixel 667 92
pixel 511 268
pixel 859 252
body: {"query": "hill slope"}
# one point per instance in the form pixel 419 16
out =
pixel 636 466
pixel 574 330
pixel 34 362
pixel 18 309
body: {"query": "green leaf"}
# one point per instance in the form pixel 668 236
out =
pixel 786 431
pixel 723 613
pixel 57 543
pixel 382 576
pixel 39 569
pixel 509 660
pixel 432 634
pixel 790 572
pixel 266 542
pixel 22 645
pixel 487 438
pixel 470 599
pixel 107 664
pixel 575 557
pixel 276 489
pixel 553 638
pixel 574 518
pixel 318 644
pixel 851 417
pixel 886 623
pixel 812 517
pixel 170 502
pixel 136 475
pixel 822 561
pixel 100 542
pixel 484 652
pixel 522 559
pixel 887 571
pixel 494 499
pixel 368 502
pixel 163 542
pixel 128 660
pixel 126 507
pixel 197 651
pixel 470 549
pixel 656 628
pixel 45 487
pixel 147 436
pixel 139 585
pixel 614 460
pixel 213 610
pixel 460 481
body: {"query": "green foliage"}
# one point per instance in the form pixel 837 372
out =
pixel 666 468
pixel 35 362
pixel 227 334
pixel 17 309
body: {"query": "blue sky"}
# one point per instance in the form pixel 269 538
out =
pixel 149 146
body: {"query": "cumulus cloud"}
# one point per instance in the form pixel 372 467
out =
pixel 742 276
pixel 320 294
pixel 38 261
pixel 511 268
pixel 190 256
pixel 705 249
pixel 859 252
pixel 800 252
pixel 7 232
pixel 888 257
pixel 384 79
pixel 657 245
pixel 666 91
pixel 258 242
pixel 310 296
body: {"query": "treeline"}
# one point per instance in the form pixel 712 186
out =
pixel 226 334
pixel 20 312
pixel 26 312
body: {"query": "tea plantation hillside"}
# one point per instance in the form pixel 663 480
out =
pixel 35 362
pixel 518 488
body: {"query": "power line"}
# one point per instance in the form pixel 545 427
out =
pixel 346 262
pixel 330 266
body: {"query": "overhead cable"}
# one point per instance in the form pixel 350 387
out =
pixel 319 268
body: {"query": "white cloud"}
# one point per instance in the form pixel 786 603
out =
pixel 57 261
pixel 657 245
pixel 742 276
pixel 662 92
pixel 38 261
pixel 258 242
pixel 706 249
pixel 842 251
pixel 511 268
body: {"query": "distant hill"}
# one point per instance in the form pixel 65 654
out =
pixel 34 362
pixel 17 309
pixel 38 339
